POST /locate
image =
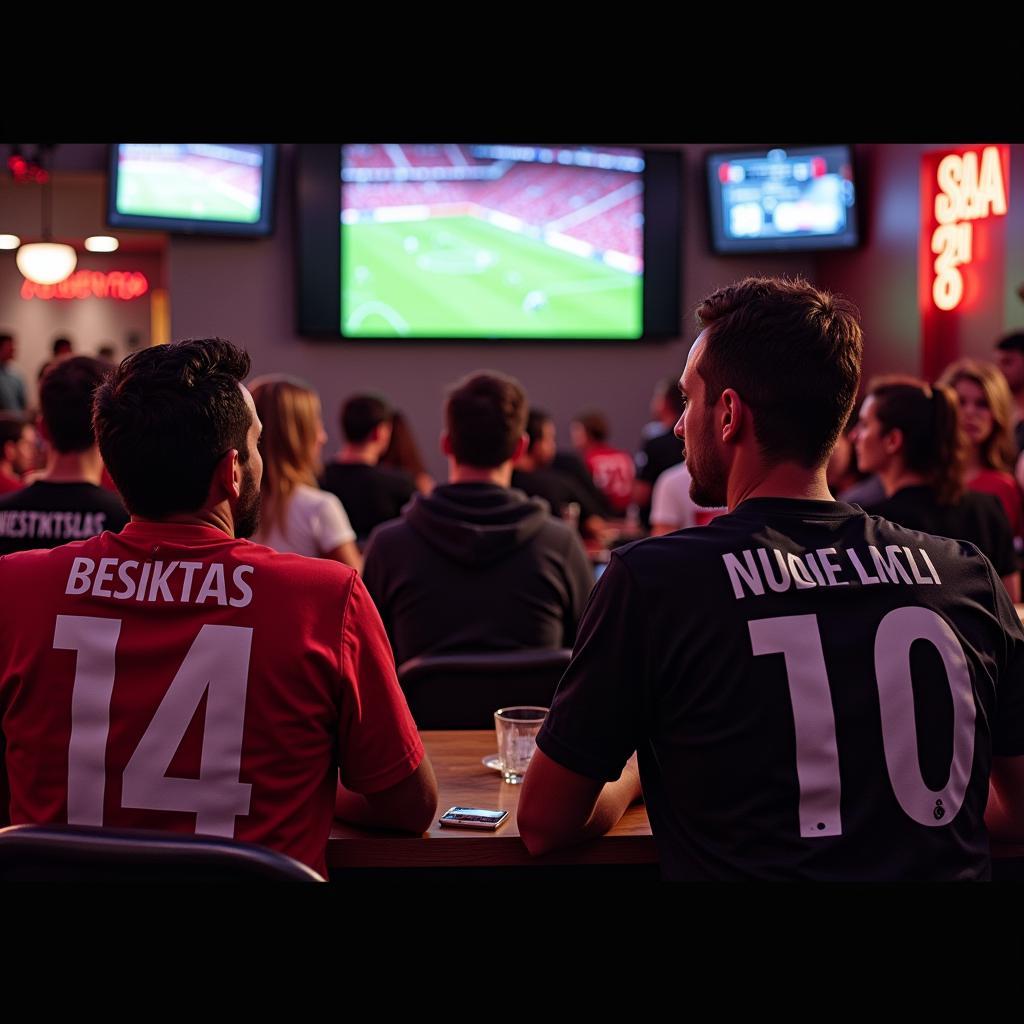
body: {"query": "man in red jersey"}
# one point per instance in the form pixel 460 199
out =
pixel 611 468
pixel 174 676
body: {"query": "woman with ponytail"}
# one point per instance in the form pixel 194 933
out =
pixel 909 433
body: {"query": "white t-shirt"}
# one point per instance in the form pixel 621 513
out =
pixel 671 504
pixel 316 524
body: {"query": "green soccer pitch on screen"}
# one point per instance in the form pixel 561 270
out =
pixel 491 241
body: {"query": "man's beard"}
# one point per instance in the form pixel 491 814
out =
pixel 709 483
pixel 247 511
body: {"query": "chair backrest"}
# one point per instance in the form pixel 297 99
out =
pixel 77 853
pixel 462 691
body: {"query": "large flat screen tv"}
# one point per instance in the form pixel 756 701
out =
pixel 193 188
pixel 488 241
pixel 792 199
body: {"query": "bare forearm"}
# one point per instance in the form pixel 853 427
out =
pixel 558 808
pixel 612 804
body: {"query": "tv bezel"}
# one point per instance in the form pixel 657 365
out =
pixel 721 245
pixel 261 228
pixel 317 216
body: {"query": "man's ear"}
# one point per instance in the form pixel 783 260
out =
pixel 732 416
pixel 522 447
pixel 446 444
pixel 227 478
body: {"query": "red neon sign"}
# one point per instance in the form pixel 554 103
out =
pixel 960 189
pixel 91 284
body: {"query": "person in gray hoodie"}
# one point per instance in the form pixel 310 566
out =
pixel 477 565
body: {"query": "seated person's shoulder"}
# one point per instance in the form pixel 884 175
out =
pixel 388 534
pixel 293 572
pixel 32 561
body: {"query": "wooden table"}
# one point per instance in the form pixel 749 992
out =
pixel 462 779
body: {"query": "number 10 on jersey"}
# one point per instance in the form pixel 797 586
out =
pixel 798 639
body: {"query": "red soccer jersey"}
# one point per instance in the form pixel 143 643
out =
pixel 172 677
pixel 613 472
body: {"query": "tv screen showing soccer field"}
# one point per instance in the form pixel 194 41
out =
pixel 191 186
pixel 491 241
pixel 796 199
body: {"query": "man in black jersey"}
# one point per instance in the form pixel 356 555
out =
pixel 812 692
pixel 66 503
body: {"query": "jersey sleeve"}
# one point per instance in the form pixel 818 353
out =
pixel 1008 730
pixel 333 526
pixel 594 723
pixel 379 744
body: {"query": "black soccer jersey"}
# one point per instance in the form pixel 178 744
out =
pixel 813 692
pixel 46 515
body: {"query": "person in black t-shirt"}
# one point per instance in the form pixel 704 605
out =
pixel 534 475
pixel 812 692
pixel 372 494
pixel 66 503
pixel 909 433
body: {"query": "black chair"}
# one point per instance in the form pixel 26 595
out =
pixel 462 691
pixel 77 853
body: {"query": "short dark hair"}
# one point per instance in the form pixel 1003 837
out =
pixel 65 399
pixel 1012 342
pixel 166 416
pixel 673 397
pixel 535 425
pixel 594 424
pixel 61 345
pixel 485 415
pixel 361 414
pixel 12 426
pixel 793 354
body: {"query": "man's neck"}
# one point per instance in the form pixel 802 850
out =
pixel 500 476
pixel 218 517
pixel 74 467
pixel 359 454
pixel 786 480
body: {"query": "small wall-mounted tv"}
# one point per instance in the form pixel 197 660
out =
pixel 792 199
pixel 488 242
pixel 193 188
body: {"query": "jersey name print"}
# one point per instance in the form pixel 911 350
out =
pixel 760 571
pixel 51 525
pixel 183 581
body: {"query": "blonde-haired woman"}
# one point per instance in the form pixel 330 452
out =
pixel 296 516
pixel 986 413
